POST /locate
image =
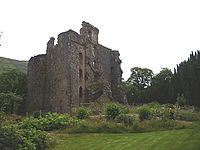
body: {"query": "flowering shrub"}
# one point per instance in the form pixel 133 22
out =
pixel 166 111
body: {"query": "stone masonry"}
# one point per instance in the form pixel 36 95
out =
pixel 75 70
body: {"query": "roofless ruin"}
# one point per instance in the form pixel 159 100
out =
pixel 75 70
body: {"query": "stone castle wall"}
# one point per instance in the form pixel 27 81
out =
pixel 36 82
pixel 76 70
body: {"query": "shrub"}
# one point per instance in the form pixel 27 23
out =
pixel 144 113
pixel 99 126
pixel 96 108
pixel 181 100
pixel 83 112
pixel 49 122
pixel 2 118
pixel 9 102
pixel 113 110
pixel 154 104
pixel 152 125
pixel 53 121
pixel 36 114
pixel 125 119
pixel 166 111
pixel 31 122
pixel 39 138
pixel 22 139
pixel 110 127
pixel 188 116
pixel 28 135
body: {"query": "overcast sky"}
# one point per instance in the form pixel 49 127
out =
pixel 147 33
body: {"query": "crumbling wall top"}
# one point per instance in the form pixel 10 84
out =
pixel 89 26
pixel 38 57
pixel 50 43
pixel 66 36
pixel 89 32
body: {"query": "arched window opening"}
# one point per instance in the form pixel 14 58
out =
pixel 93 53
pixel 34 106
pixel 61 106
pixel 86 76
pixel 112 69
pixel 80 58
pixel 80 92
pixel 80 74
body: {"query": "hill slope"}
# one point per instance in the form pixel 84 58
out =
pixel 9 64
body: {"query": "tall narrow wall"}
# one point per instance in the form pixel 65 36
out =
pixel 116 75
pixel 36 83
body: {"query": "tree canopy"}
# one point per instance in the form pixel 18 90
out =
pixel 165 87
pixel 12 90
pixel 141 77
pixel 13 81
pixel 187 79
pixel 162 89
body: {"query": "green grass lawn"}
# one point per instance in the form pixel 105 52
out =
pixel 184 139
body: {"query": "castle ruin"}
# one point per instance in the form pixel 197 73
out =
pixel 75 70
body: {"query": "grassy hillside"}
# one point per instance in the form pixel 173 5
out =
pixel 8 64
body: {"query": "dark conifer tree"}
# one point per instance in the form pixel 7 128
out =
pixel 187 79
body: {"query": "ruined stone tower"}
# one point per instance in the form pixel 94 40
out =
pixel 76 70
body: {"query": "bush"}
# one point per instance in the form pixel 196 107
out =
pixel 144 113
pixel 188 116
pixel 152 125
pixel 125 119
pixel 113 110
pixel 99 107
pixel 39 138
pixel 181 100
pixel 96 108
pixel 97 126
pixel 154 104
pixel 36 114
pixel 22 139
pixel 2 118
pixel 83 112
pixel 49 122
pixel 9 102
pixel 165 112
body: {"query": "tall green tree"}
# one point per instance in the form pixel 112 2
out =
pixel 141 77
pixel 13 81
pixel 162 89
pixel 187 79
pixel 12 90
pixel 137 85
pixel 9 102
pixel 131 91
